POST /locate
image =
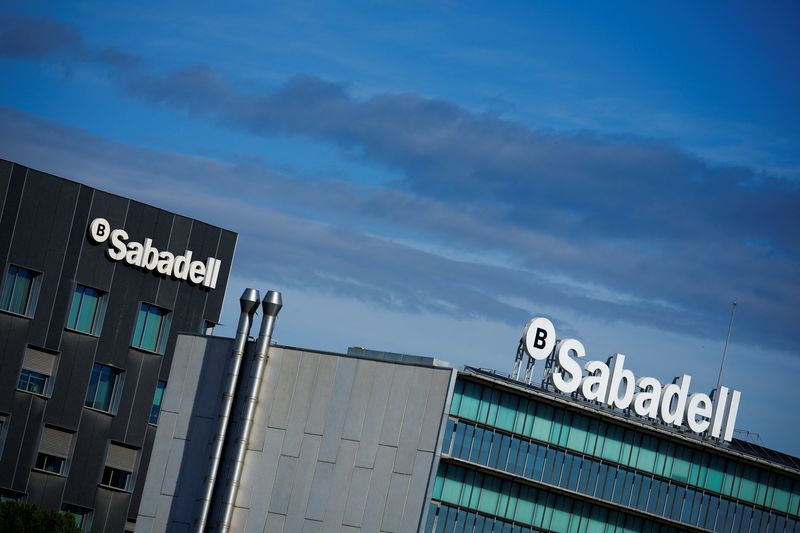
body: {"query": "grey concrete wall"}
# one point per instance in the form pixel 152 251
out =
pixel 340 443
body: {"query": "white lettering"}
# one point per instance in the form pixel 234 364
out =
pixel 611 383
pixel 150 258
pixel 569 365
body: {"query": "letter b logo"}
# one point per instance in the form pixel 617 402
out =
pixel 99 230
pixel 540 338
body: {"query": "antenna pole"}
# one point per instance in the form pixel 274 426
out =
pixel 725 349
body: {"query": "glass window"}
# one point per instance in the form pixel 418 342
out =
pixel 152 328
pixel 50 463
pixel 82 517
pixel 86 311
pixel 114 477
pixel 31 381
pixel 159 396
pixel 20 290
pixel 102 385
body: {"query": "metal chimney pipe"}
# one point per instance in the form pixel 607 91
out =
pixel 271 306
pixel 248 303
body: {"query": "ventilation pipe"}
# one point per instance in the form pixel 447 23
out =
pixel 271 306
pixel 248 304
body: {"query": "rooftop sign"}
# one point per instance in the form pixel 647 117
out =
pixel 612 384
pixel 146 256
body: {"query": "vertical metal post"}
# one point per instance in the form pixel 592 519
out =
pixel 725 349
pixel 248 304
pixel 271 306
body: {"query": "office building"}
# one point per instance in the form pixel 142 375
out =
pixel 94 289
pixel 374 441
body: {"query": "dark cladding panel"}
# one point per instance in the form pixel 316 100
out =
pixel 123 418
pixel 110 510
pixel 13 331
pixel 72 379
pixel 45 490
pixel 5 182
pixel 178 244
pixel 11 208
pixel 94 268
pixel 88 458
pixel 225 250
pixel 142 402
pixel 65 290
pixel 47 216
pixel 28 436
pixel 141 471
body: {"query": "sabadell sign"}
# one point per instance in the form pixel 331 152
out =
pixel 614 385
pixel 146 256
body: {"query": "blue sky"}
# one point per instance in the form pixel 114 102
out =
pixel 424 178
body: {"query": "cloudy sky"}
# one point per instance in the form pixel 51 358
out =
pixel 425 178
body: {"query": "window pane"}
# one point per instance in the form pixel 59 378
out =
pixel 105 389
pixel 156 410
pixel 152 328
pixel 93 380
pixel 72 320
pixel 22 289
pixel 88 310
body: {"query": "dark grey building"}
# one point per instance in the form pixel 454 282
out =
pixel 94 288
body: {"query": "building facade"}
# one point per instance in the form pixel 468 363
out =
pixel 517 458
pixel 339 442
pixel 86 337
pixel 374 441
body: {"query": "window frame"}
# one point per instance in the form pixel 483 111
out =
pixel 163 330
pixel 40 455
pixel 86 515
pixel 99 313
pixel 33 291
pixel 111 471
pixel 113 401
pixel 160 403
pixel 45 387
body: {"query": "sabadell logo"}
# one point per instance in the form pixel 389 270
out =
pixel 147 256
pixel 612 384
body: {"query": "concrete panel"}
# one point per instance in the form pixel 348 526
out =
pixel 303 476
pixel 395 503
pixel 434 409
pixel 239 519
pixel 281 401
pixel 415 501
pixel 337 497
pixel 173 468
pixel 396 406
pixel 373 421
pixel 321 394
pixel 359 399
pixel 415 408
pixel 265 467
pixel 272 375
pixel 144 524
pixel 378 488
pixel 158 464
pixel 180 360
pixel 312 526
pixel 335 415
pixel 357 497
pixel 320 489
pixel 300 405
pixel 281 492
pixel 275 523
pixel 191 389
pixel 160 523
